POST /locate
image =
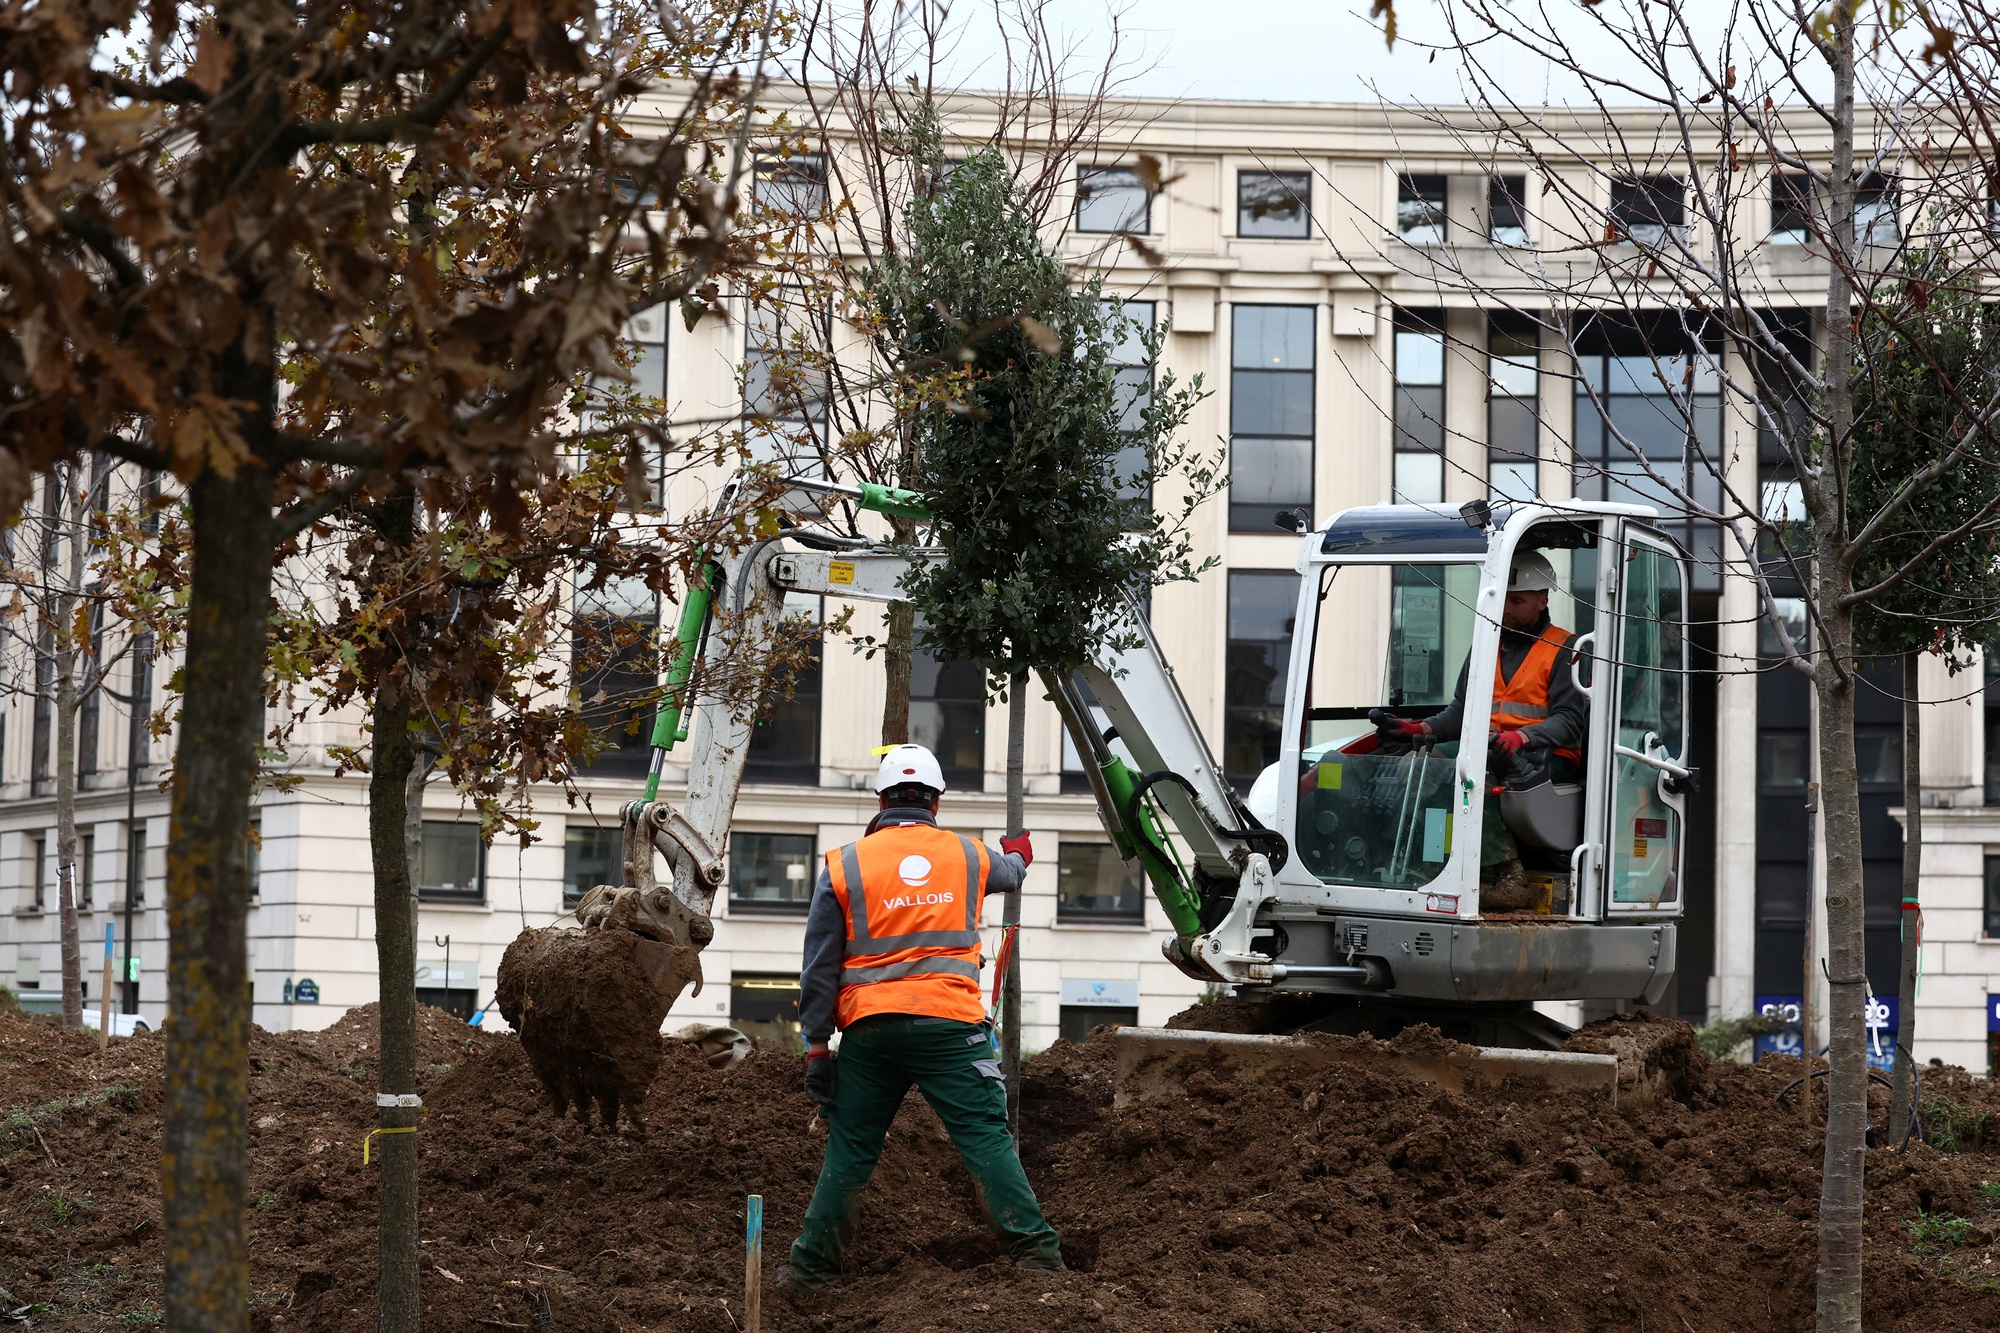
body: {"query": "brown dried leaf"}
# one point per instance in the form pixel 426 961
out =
pixel 1041 335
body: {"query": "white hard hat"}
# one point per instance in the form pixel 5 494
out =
pixel 1532 573
pixel 909 763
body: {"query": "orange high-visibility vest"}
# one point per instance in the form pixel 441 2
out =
pixel 913 924
pixel 1524 699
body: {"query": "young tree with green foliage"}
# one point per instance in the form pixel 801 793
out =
pixel 1920 353
pixel 1037 465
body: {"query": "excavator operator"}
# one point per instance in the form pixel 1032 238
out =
pixel 1536 707
pixel 892 960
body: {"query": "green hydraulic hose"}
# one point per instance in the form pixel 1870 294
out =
pixel 1146 843
pixel 670 724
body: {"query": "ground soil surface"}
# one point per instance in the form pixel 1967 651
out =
pixel 1340 1198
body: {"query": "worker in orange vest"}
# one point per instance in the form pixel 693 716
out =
pixel 892 961
pixel 1536 704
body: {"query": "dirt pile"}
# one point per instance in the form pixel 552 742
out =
pixel 1339 1198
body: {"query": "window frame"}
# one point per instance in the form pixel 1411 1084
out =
pixel 1499 397
pixel 787 173
pixel 1088 196
pixel 767 907
pixel 1241 515
pixel 571 895
pixel 1643 206
pixel 1068 915
pixel 437 896
pixel 1274 703
pixel 808 687
pixel 1990 898
pixel 1500 186
pixel 1406 447
pixel 1301 194
pixel 1798 186
pixel 1409 191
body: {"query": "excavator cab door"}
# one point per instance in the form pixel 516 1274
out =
pixel 1634 864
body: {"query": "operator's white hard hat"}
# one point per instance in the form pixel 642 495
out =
pixel 909 763
pixel 1532 573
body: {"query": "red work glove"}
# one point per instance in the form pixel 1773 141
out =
pixel 1509 742
pixel 1021 846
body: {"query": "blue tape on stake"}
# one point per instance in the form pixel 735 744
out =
pixel 108 928
pixel 753 1224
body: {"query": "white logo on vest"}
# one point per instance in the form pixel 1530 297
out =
pixel 915 871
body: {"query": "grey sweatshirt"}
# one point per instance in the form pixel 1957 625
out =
pixel 1567 725
pixel 826 928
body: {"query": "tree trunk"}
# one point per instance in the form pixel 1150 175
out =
pixel 70 518
pixel 1017 818
pixel 1841 1179
pixel 399 1306
pixel 1901 1106
pixel 898 649
pixel 203 1166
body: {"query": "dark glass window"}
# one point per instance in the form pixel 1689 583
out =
pixel 784 381
pixel 451 864
pixel 45 713
pixel 1876 200
pixel 1419 425
pixel 1513 378
pixel 1784 759
pixel 1134 370
pixel 793 187
pixel 590 858
pixel 86 871
pixel 1791 208
pixel 645 343
pixel 40 852
pixel 948 716
pixel 1262 606
pixel 1274 204
pixel 771 872
pixel 1075 1022
pixel 616 663
pixel 1992 711
pixel 1648 427
pixel 1878 756
pixel 784 743
pixel 1112 199
pixel 1644 207
pixel 1990 927
pixel 88 713
pixel 135 869
pixel 1093 884
pixel 461 1002
pixel 764 998
pixel 1420 209
pixel 1270 414
pixel 1507 210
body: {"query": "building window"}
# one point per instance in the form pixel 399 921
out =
pixel 1644 208
pixel 1791 208
pixel 461 1002
pixel 1876 199
pixel 1419 425
pixel 771 872
pixel 1133 367
pixel 645 343
pixel 590 858
pixel 1112 199
pixel 764 998
pixel 45 713
pixel 1991 924
pixel 784 741
pixel 86 872
pixel 1420 209
pixel 1075 1022
pixel 1649 426
pixel 1513 359
pixel 1274 204
pixel 948 715
pixel 1507 210
pixel 135 866
pixel 38 849
pixel 784 381
pixel 256 852
pixel 791 187
pixel 1270 414
pixel 88 710
pixel 451 863
pixel 1262 606
pixel 1093 884
pixel 616 667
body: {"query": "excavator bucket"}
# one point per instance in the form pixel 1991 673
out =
pixel 1155 1062
pixel 588 1001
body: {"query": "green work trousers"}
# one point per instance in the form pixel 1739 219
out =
pixel 957 1070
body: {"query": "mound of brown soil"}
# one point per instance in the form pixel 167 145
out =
pixel 588 1015
pixel 1336 1198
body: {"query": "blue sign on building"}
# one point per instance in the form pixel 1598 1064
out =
pixel 1785 1008
pixel 1993 1013
pixel 1880 1019
pixel 305 992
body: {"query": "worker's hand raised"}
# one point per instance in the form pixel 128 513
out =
pixel 822 1076
pixel 1021 845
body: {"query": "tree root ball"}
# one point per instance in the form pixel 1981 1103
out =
pixel 589 1018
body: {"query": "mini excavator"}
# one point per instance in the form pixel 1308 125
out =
pixel 1345 887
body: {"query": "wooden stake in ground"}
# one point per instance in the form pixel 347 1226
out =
pixel 104 1000
pixel 753 1263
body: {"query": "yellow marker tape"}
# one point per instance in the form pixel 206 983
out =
pixel 840 571
pixel 881 750
pixel 406 1129
pixel 1329 777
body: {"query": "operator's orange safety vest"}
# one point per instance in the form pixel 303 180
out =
pixel 912 895
pixel 1524 699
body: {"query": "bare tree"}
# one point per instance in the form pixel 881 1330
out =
pixel 1652 248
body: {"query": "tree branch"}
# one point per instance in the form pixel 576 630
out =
pixel 290 525
pixel 176 89
pixel 104 243
pixel 307 448
pixel 383 129
pixel 132 452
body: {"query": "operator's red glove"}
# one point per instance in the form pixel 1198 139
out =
pixel 1021 846
pixel 1509 742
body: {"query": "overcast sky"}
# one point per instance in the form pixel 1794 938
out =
pixel 1315 50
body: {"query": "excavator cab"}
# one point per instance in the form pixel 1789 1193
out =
pixel 1396 840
